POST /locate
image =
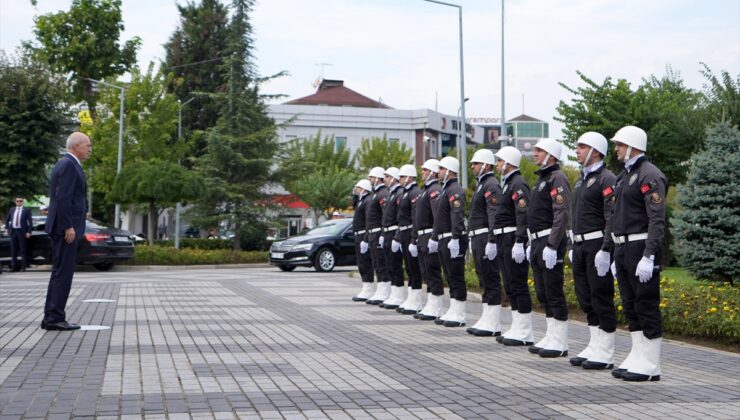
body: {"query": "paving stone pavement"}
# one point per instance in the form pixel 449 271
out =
pixel 260 343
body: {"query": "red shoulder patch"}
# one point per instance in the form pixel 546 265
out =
pixel 433 194
pixel 553 192
pixel 645 188
pixel 513 196
pixel 606 192
pixel 488 193
pixel 452 197
pixel 382 201
pixel 398 200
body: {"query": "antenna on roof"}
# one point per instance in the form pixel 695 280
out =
pixel 322 68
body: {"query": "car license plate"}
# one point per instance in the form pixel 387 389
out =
pixel 277 255
pixel 121 239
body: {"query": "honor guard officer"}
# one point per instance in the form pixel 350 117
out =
pixel 547 218
pixel 638 227
pixel 402 239
pixel 394 260
pixel 361 196
pixel 482 217
pixel 592 245
pixel 510 233
pixel 431 271
pixel 449 230
pixel 374 226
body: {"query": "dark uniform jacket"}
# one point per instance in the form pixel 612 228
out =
pixel 358 220
pixel 407 209
pixel 593 204
pixel 450 216
pixel 511 206
pixel 390 207
pixel 426 208
pixel 639 206
pixel 482 206
pixel 548 207
pixel 374 211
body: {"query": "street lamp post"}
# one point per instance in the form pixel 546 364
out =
pixel 178 206
pixel 503 132
pixel 460 136
pixel 117 216
pixel 464 151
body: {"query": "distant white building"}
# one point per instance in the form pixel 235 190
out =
pixel 350 117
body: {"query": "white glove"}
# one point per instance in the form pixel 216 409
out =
pixel 645 269
pixel 570 256
pixel 413 250
pixel 517 253
pixel 433 246
pixel 529 253
pixel 363 247
pixel 601 261
pixel 395 246
pixel 382 241
pixel 614 269
pixel 550 256
pixel 454 247
pixel 491 251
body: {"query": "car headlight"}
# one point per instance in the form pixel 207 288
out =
pixel 302 247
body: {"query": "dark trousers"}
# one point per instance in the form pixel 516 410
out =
pixel 486 270
pixel 18 243
pixel 640 300
pixel 364 262
pixel 64 259
pixel 595 294
pixel 394 260
pixel 515 275
pixel 548 283
pixel 431 270
pixel 455 268
pixel 380 265
pixel 413 271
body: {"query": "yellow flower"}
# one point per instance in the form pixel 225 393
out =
pixel 713 309
pixel 726 308
pixel 619 308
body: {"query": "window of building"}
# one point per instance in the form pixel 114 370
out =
pixel 393 140
pixel 530 129
pixel 340 142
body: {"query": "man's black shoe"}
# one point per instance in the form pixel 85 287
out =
pixel 577 361
pixel 596 365
pixel 61 326
pixel 43 324
pixel 638 377
pixel 617 373
pixel 486 333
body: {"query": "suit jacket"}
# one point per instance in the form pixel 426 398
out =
pixel 26 221
pixel 67 197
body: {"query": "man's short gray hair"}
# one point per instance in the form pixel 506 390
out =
pixel 75 139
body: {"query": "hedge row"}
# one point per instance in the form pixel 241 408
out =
pixel 197 243
pixel 702 310
pixel 160 255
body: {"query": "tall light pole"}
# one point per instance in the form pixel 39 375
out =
pixel 178 206
pixel 117 216
pixel 460 134
pixel 464 152
pixel 503 133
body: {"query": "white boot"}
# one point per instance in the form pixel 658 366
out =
pixel 603 352
pixel 381 293
pixel 524 329
pixel 415 302
pixel 432 309
pixel 646 366
pixel 396 298
pixel 368 289
pixel 542 343
pixel 512 328
pixel 586 353
pixel 491 322
pixel 557 345
pixel 441 319
pixel 406 302
pixel 481 320
pixel 457 314
pixel 629 361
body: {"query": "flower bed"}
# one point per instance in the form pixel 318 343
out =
pixel 160 255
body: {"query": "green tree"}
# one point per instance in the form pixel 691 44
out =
pixel 158 184
pixel 194 54
pixel 85 42
pixel 300 158
pixel 707 224
pixel 326 190
pixel 32 115
pixel 239 150
pixel 150 124
pixel 722 96
pixel 378 151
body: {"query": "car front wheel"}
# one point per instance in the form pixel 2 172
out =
pixel 103 266
pixel 286 267
pixel 325 260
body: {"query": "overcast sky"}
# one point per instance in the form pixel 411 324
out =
pixel 406 51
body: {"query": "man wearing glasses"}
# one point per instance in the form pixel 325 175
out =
pixel 18 224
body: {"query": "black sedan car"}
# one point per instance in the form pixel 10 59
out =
pixel 101 246
pixel 324 247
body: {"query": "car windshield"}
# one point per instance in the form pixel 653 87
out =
pixel 328 228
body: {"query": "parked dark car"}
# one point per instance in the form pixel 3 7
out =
pixel 101 246
pixel 324 247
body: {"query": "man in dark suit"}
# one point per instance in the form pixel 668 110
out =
pixel 19 224
pixel 65 224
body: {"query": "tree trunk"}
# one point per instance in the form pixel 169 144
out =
pixel 151 229
pixel 237 234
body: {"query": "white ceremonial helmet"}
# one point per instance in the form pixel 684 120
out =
pixel 595 140
pixel 510 155
pixel 407 170
pixel 432 165
pixel 450 163
pixel 393 172
pixel 632 136
pixel 364 184
pixel 484 156
pixel 377 172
